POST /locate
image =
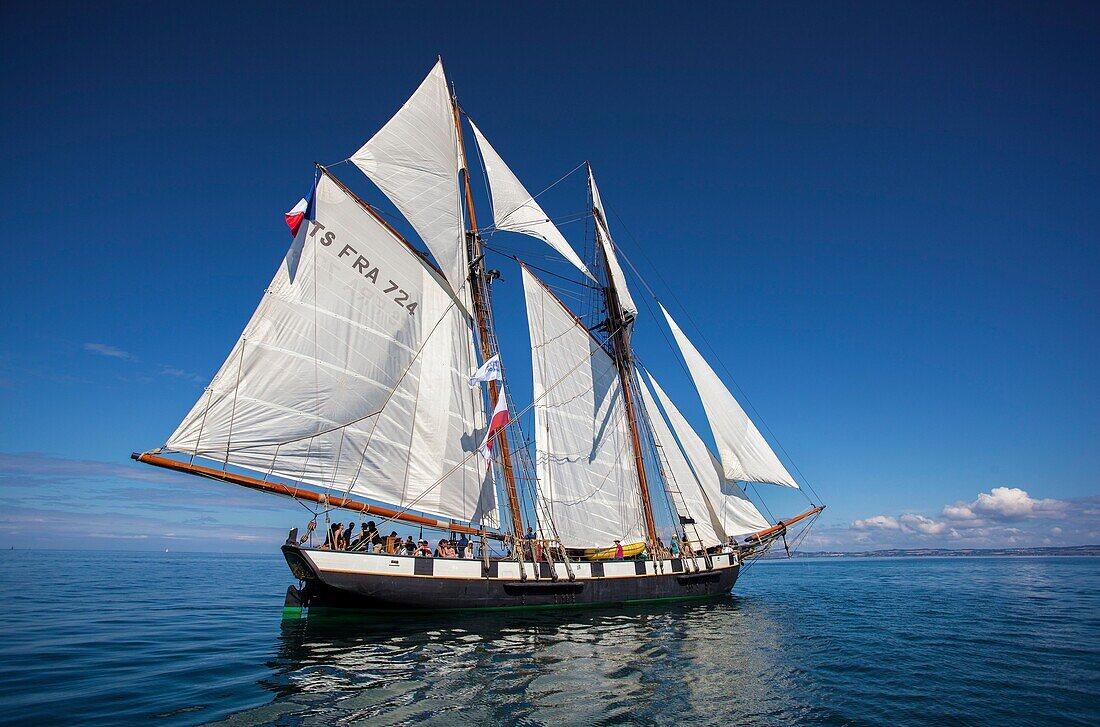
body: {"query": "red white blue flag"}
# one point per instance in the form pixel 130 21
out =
pixel 498 422
pixel 301 212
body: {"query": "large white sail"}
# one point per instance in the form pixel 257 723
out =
pixel 744 452
pixel 414 159
pixel 626 301
pixel 515 210
pixel 681 477
pixel 584 456
pixel 733 512
pixel 352 374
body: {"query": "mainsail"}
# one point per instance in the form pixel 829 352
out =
pixel 515 210
pixel 744 452
pixel 732 512
pixel 352 375
pixel 626 302
pixel 414 159
pixel 584 460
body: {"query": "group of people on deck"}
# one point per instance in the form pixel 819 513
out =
pixel 369 540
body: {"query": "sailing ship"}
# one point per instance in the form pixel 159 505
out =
pixel 368 379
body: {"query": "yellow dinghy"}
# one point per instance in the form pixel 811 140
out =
pixel 629 551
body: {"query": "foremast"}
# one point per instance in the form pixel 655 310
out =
pixel 618 327
pixel 481 300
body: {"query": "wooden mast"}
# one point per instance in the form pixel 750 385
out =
pixel 618 327
pixel 479 296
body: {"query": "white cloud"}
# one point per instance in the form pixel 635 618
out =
pixel 1004 503
pixel 103 349
pixel 924 525
pixel 181 374
pixel 878 522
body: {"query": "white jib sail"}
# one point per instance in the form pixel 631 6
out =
pixel 745 453
pixel 680 476
pixel 584 456
pixel 353 375
pixel 734 513
pixel 626 301
pixel 515 210
pixel 414 160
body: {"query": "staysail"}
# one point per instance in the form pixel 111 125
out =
pixel 733 512
pixel 583 444
pixel 515 210
pixel 352 376
pixel 682 483
pixel 414 160
pixel 745 453
pixel 626 302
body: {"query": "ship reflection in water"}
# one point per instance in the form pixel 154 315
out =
pixel 551 667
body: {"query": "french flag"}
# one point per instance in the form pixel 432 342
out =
pixel 498 421
pixel 301 212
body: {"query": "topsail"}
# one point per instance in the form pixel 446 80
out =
pixel 515 210
pixel 353 375
pixel 607 245
pixel 415 160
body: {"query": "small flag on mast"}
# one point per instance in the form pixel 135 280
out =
pixel 498 422
pixel 489 371
pixel 301 212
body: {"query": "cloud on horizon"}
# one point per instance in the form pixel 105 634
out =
pixel 1002 517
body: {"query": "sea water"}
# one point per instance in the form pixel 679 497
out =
pixel 108 638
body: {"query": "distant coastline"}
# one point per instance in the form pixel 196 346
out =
pixel 1093 550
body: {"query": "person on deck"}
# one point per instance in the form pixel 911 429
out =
pixel 529 536
pixel 685 546
pixel 349 537
pixel 369 536
pixel 463 541
pixel 618 550
pixel 441 548
pixel 410 545
pixel 422 550
pixel 332 542
pixel 468 551
pixel 674 547
pixel 732 544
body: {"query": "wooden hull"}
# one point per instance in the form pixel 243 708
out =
pixel 368 581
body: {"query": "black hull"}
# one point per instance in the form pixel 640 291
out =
pixel 331 589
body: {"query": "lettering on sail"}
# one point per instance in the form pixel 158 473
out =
pixel 362 266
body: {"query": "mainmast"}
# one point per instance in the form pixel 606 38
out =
pixel 618 328
pixel 482 305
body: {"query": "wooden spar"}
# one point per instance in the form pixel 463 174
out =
pixel 784 523
pixel 619 328
pixel 300 494
pixel 479 296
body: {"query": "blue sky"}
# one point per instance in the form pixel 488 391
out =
pixel 883 217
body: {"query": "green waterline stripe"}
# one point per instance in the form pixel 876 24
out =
pixel 329 611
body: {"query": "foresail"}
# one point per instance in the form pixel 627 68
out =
pixel 744 452
pixel 734 513
pixel 352 377
pixel 584 460
pixel 626 301
pixel 414 160
pixel 515 210
pixel 682 483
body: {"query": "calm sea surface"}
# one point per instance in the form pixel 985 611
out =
pixel 187 639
